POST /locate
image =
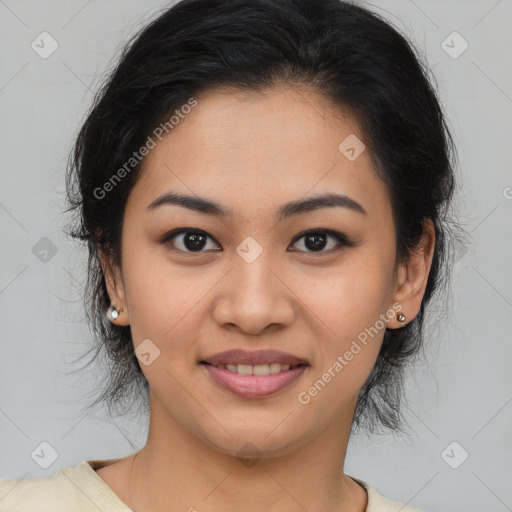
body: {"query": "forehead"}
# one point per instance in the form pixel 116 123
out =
pixel 260 148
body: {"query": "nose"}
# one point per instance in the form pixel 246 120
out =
pixel 254 297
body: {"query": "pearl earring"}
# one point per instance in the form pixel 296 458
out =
pixel 401 318
pixel 115 312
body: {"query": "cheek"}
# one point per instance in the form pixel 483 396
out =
pixel 153 290
pixel 352 295
pixel 167 302
pixel 347 349
pixel 349 300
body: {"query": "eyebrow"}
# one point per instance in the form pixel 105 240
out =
pixel 208 207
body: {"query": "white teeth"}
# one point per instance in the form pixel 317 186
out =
pixel 258 369
pixel 275 368
pixel 245 369
pixel 261 369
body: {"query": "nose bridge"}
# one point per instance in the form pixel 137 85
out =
pixel 251 269
pixel 252 296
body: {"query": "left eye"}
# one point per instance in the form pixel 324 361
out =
pixel 194 240
pixel 316 240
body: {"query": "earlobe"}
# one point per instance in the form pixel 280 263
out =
pixel 117 312
pixel 412 278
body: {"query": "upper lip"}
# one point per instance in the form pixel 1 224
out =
pixel 237 356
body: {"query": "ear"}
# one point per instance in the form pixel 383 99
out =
pixel 412 277
pixel 115 288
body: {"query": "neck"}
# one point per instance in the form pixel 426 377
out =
pixel 176 467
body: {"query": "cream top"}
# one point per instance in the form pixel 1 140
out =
pixel 81 489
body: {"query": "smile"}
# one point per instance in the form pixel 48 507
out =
pixel 254 381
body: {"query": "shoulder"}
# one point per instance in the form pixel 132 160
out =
pixel 34 494
pixel 378 503
pixel 70 489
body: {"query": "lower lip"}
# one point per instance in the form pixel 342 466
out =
pixel 253 386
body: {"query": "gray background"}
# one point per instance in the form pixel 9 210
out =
pixel 461 393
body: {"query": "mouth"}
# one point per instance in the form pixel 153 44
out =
pixel 253 374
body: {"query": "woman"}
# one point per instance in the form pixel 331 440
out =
pixel 263 189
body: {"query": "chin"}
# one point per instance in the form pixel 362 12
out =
pixel 252 443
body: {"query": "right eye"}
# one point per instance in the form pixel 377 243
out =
pixel 193 240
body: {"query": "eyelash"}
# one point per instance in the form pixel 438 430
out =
pixel 340 238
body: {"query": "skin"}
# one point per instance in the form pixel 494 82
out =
pixel 252 152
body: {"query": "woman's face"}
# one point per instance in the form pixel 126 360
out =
pixel 251 281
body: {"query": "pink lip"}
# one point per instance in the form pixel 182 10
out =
pixel 253 386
